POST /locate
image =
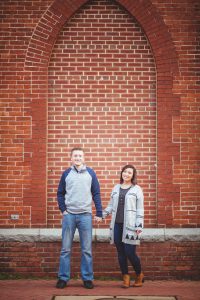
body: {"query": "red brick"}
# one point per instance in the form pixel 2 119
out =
pixel 126 57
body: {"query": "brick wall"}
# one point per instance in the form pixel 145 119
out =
pixel 167 260
pixel 102 95
pixel 107 76
pixel 120 78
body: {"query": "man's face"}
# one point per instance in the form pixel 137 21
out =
pixel 77 158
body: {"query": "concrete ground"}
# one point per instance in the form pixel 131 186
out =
pixel 41 289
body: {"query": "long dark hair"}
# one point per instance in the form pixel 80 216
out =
pixel 134 178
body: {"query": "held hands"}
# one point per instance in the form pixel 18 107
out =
pixel 98 219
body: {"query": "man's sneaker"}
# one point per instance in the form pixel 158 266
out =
pixel 88 284
pixel 61 284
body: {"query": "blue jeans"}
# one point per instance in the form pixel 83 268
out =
pixel 125 252
pixel 83 222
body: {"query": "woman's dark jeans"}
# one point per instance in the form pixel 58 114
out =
pixel 125 252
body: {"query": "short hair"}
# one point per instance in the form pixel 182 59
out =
pixel 76 149
pixel 134 177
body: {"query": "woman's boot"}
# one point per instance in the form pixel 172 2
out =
pixel 126 281
pixel 139 279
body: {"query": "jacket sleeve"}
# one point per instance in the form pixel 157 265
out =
pixel 61 193
pixel 139 224
pixel 95 190
pixel 108 210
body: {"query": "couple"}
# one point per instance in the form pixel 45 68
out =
pixel 77 188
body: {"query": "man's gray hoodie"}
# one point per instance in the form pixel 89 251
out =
pixel 77 189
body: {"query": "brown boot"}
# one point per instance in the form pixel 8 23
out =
pixel 126 281
pixel 139 279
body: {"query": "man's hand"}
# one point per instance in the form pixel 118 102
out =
pixel 98 219
pixel 65 213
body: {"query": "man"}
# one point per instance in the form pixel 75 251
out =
pixel 77 188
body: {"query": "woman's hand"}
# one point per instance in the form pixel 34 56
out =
pixel 138 231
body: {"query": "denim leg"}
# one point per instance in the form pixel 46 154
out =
pixel 133 258
pixel 120 246
pixel 68 230
pixel 84 225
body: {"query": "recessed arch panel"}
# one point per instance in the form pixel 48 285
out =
pixel 36 62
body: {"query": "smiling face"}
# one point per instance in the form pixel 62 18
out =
pixel 77 158
pixel 127 175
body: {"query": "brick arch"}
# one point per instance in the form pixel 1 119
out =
pixel 36 62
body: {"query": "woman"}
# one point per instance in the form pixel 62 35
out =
pixel 126 207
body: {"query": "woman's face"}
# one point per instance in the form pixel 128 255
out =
pixel 127 175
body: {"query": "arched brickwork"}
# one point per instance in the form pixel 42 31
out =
pixel 36 63
pixel 102 95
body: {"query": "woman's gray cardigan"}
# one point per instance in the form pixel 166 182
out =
pixel 133 214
